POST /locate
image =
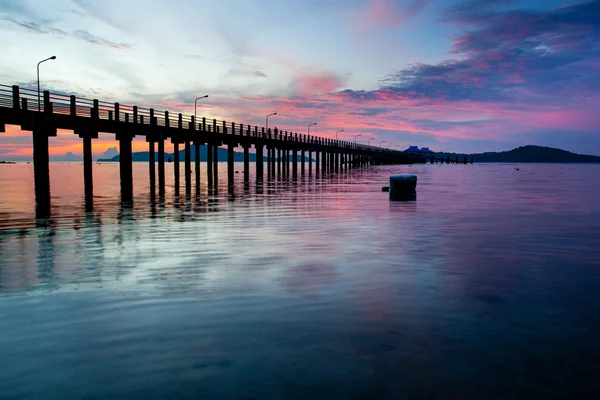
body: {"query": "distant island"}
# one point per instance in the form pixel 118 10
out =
pixel 142 156
pixel 525 154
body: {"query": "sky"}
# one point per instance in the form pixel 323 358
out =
pixel 451 75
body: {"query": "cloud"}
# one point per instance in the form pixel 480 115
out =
pixel 317 84
pixel 390 13
pixel 35 27
pixel 513 57
pixel 43 28
pixel 93 39
pixel 258 74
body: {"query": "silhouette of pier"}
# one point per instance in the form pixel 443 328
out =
pixel 87 118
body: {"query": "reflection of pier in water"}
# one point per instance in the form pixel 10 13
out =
pixel 284 150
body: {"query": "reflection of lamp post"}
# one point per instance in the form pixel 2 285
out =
pixel 355 138
pixel 195 106
pixel 369 141
pixel 336 133
pixel 38 79
pixel 390 144
pixel 268 119
pixel 380 143
pixel 314 123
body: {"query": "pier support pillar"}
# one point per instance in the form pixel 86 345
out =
pixel 295 162
pixel 125 166
pixel 176 164
pixel 88 179
pixel 302 155
pixel 161 165
pixel 337 162
pixel 259 162
pixel 209 163
pixel 317 162
pixel 151 164
pixel 324 162
pixel 197 165
pixel 246 163
pixel 230 165
pixel 188 165
pixel 216 164
pixel 41 172
pixel 279 160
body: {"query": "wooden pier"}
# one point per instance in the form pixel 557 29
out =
pixel 87 118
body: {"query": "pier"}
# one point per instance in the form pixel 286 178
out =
pixel 88 118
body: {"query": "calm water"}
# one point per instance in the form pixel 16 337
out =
pixel 487 286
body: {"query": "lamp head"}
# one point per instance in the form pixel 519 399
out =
pixel 53 58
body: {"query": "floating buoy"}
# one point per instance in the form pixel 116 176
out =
pixel 403 187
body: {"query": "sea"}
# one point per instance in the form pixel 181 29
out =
pixel 487 286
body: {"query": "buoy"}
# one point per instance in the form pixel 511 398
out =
pixel 403 186
pixel 385 189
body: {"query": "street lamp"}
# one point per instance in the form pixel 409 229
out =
pixel 396 146
pixel 390 144
pixel 38 79
pixel 268 115
pixel 369 142
pixel 195 104
pixel 314 123
pixel 336 133
pixel 380 143
pixel 355 138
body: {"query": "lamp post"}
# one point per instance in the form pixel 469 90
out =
pixel 380 143
pixel 369 142
pixel 396 146
pixel 314 123
pixel 355 138
pixel 268 115
pixel 195 106
pixel 336 133
pixel 390 144
pixel 38 79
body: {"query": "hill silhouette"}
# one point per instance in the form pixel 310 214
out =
pixel 526 154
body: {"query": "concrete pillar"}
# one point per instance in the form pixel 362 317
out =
pixel 209 163
pixel 125 166
pixel 317 159
pixel 188 163
pixel 337 161
pixel 295 161
pixel 216 164
pixel 302 156
pixel 197 164
pixel 41 170
pixel 230 165
pixel 176 163
pixel 279 160
pixel 246 163
pixel 151 163
pixel 259 160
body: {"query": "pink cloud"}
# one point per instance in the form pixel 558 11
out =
pixel 389 13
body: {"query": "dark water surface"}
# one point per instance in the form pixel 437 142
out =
pixel 487 286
